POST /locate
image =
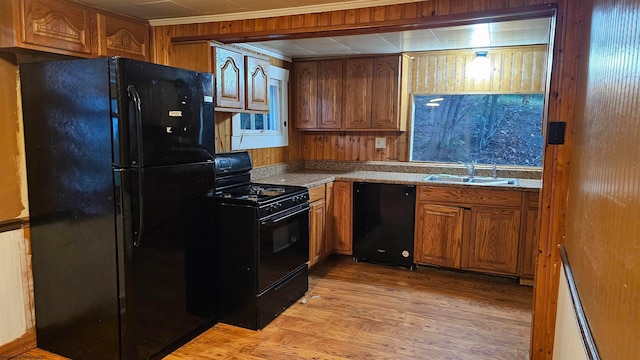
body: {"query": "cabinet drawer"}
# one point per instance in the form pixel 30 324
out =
pixel 316 193
pixel 469 196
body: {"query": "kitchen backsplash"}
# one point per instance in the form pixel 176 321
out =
pixel 402 167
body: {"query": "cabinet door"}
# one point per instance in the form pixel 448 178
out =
pixel 329 230
pixel 257 83
pixel 357 93
pixel 494 238
pixel 120 36
pixel 317 233
pixel 58 25
pixel 341 217
pixel 330 94
pixel 530 236
pixel 229 78
pixel 385 93
pixel 306 94
pixel 438 236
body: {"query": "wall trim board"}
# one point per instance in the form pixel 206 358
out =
pixel 14 224
pixel 20 345
pixel 583 323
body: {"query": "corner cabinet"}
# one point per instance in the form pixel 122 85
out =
pixel 353 94
pixel 468 228
pixel 69 28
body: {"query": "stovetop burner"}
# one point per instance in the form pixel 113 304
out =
pixel 259 192
pixel 266 190
pixel 234 186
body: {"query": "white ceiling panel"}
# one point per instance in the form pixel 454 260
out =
pixel 154 9
pixel 368 44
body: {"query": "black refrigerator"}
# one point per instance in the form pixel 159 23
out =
pixel 120 171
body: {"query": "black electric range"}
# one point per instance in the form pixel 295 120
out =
pixel 263 236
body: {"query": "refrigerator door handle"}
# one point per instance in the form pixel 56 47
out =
pixel 133 93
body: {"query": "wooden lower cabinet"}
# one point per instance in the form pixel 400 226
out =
pixel 340 218
pixel 469 228
pixel 329 230
pixel 439 233
pixel 530 237
pixel 317 224
pixel 494 239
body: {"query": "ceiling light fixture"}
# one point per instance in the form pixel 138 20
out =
pixel 480 67
pixel 436 99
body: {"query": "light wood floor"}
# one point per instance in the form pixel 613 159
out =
pixel 366 311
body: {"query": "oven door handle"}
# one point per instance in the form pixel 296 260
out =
pixel 278 219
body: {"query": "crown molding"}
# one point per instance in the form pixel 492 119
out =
pixel 343 5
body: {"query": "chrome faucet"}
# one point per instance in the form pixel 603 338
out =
pixel 471 167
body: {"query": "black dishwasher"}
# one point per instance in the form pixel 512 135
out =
pixel 383 219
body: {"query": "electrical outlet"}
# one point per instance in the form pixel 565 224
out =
pixel 381 143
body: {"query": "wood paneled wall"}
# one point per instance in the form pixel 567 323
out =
pixel 513 69
pixel 562 89
pixel 353 146
pixel 603 224
pixel 12 162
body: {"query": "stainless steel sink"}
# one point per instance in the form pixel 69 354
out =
pixel 446 178
pixel 465 179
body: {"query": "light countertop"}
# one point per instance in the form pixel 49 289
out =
pixel 311 178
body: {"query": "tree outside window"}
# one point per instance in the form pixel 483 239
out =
pixel 501 129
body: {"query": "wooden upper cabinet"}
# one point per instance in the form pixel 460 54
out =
pixel 122 36
pixel 358 93
pixel 385 94
pixel 330 94
pixel 68 28
pixel 353 94
pixel 230 79
pixel 59 25
pixel 257 85
pixel 305 94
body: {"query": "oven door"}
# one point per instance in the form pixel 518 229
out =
pixel 284 245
